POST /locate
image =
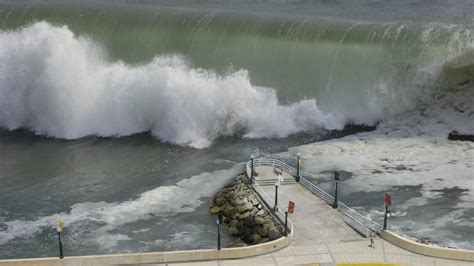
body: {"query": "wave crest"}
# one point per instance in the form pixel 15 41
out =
pixel 61 85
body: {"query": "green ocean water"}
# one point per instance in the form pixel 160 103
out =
pixel 114 110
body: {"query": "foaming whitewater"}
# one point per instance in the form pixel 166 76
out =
pixel 430 177
pixel 60 85
pixel 104 217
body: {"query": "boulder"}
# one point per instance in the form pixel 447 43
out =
pixel 245 217
pixel 215 210
pixel 220 201
pixel 262 231
pixel 254 201
pixel 273 234
pixel 256 238
pixel 253 212
pixel 259 220
pixel 233 231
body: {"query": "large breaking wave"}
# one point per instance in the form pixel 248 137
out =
pixel 60 85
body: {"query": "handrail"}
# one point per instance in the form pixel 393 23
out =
pixel 267 199
pixel 269 202
pixel 351 213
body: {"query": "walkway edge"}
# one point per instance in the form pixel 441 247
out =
pixel 158 257
pixel 434 251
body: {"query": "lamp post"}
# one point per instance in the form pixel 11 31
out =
pixel 388 202
pixel 220 217
pixel 298 167
pixel 276 197
pixel 60 230
pixel 277 184
pixel 251 170
pixel 336 178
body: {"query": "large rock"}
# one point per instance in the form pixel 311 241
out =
pixel 233 231
pixel 262 231
pixel 220 201
pixel 259 220
pixel 245 216
pixel 254 201
pixel 273 233
pixel 256 238
pixel 215 210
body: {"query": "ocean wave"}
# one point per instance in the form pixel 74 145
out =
pixel 60 85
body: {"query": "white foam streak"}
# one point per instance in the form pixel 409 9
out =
pixel 61 85
pixel 162 201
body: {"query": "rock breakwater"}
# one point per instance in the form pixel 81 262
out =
pixel 245 216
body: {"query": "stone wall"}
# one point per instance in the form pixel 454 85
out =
pixel 245 216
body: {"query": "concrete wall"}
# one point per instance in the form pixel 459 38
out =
pixel 410 245
pixel 157 257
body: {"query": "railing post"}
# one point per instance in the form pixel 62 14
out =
pixel 336 178
pixel 298 167
pixel 276 198
pixel 220 217
pixel 60 230
pixel 388 202
pixel 286 223
pixel 251 170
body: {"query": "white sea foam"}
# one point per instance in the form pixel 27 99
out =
pixel 190 236
pixel 411 149
pixel 164 201
pixel 61 85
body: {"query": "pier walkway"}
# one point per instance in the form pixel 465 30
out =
pixel 321 237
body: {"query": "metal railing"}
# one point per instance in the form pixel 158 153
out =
pixel 280 215
pixel 363 222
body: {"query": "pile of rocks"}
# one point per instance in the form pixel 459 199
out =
pixel 245 216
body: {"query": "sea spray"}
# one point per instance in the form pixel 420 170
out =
pixel 60 85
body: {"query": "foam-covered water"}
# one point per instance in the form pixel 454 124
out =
pixel 123 119
pixel 430 177
pixel 105 217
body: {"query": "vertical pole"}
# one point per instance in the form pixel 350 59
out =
pixel 385 218
pixel 220 218
pixel 298 167
pixel 276 198
pixel 286 223
pixel 251 171
pixel 60 246
pixel 336 179
pixel 218 237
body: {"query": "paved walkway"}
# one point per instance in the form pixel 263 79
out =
pixel 321 237
pixel 315 221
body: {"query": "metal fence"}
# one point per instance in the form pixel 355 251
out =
pixel 359 222
pixel 280 215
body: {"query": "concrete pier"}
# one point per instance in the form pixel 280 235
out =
pixel 322 237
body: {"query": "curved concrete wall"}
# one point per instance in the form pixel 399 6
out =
pixel 158 257
pixel 410 245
